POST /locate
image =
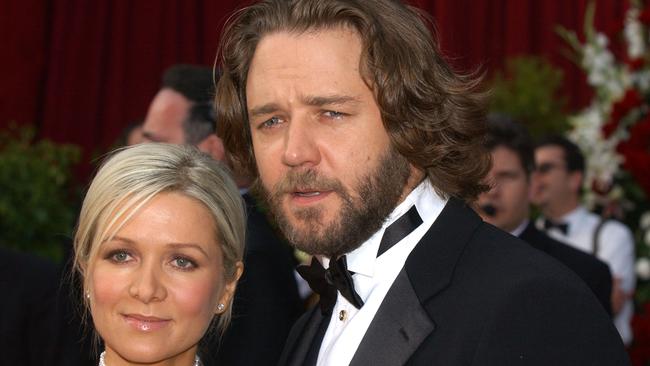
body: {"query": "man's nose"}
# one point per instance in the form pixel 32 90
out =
pixel 300 143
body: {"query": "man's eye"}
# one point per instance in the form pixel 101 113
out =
pixel 270 123
pixel 183 263
pixel 334 114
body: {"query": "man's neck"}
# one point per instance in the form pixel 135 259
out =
pixel 523 219
pixel 557 212
pixel 414 180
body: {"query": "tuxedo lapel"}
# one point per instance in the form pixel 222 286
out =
pixel 299 341
pixel 430 266
pixel 402 323
pixel 397 330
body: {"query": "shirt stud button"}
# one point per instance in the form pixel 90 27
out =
pixel 343 315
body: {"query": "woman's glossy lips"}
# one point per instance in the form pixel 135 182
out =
pixel 145 323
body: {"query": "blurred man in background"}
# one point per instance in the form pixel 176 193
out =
pixel 506 205
pixel 557 186
pixel 182 111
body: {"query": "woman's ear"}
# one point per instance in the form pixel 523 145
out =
pixel 229 289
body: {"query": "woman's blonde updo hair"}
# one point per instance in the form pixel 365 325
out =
pixel 131 177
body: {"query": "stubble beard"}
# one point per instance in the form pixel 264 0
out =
pixel 360 215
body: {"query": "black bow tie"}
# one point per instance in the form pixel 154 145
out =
pixel 562 226
pixel 325 282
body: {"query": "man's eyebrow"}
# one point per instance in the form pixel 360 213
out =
pixel 316 101
pixel 263 109
pixel 319 101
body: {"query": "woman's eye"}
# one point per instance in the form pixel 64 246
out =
pixel 119 256
pixel 183 263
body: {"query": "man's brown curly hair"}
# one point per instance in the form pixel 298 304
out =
pixel 434 117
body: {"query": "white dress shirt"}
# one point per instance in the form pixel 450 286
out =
pixel 520 229
pixel 615 247
pixel 374 276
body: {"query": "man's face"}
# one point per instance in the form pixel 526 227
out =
pixel 509 190
pixel 164 122
pixel 553 184
pixel 322 153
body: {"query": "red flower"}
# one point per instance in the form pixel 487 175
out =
pixel 635 64
pixel 636 151
pixel 630 100
pixel 644 17
pixel 614 27
pixel 640 350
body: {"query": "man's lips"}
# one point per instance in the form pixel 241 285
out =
pixel 306 196
pixel 145 323
pixel 307 193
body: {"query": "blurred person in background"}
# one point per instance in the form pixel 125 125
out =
pixel 557 185
pixel 507 206
pixel 30 318
pixel 130 135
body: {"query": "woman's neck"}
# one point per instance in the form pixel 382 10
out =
pixel 187 358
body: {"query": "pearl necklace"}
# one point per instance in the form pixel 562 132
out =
pixel 197 360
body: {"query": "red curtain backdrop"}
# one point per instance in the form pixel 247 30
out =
pixel 82 70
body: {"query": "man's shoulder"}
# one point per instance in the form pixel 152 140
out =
pixel 493 253
pixel 617 229
pixel 509 255
pixel 573 258
pixel 516 298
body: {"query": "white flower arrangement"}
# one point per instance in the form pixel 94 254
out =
pixel 614 130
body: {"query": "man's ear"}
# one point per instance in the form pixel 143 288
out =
pixel 575 180
pixel 213 146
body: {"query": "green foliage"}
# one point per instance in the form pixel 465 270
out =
pixel 35 204
pixel 528 91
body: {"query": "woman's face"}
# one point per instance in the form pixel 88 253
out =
pixel 155 287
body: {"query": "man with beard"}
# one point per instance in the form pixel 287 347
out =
pixel 367 147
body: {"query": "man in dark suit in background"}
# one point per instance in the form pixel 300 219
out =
pixel 367 147
pixel 506 205
pixel 30 318
pixel 266 302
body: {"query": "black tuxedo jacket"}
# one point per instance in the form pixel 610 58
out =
pixel 470 294
pixel 266 301
pixel 29 320
pixel 594 272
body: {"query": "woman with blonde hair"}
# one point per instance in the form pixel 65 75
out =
pixel 159 248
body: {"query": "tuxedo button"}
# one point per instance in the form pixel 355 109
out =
pixel 343 315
